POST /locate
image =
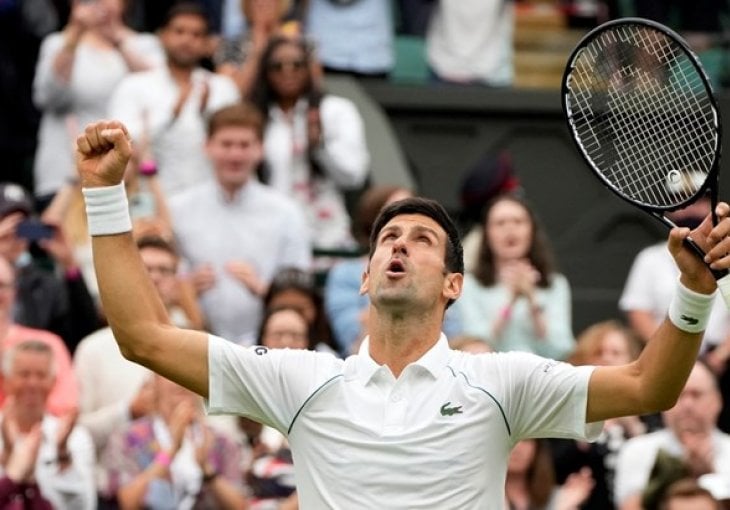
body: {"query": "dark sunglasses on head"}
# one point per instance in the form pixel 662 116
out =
pixel 279 65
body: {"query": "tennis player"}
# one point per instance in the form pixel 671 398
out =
pixel 407 422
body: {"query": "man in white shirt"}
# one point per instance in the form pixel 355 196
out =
pixel 234 232
pixel 64 464
pixel 166 109
pixel 691 435
pixel 406 423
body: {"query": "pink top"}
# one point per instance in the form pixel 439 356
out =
pixel 64 396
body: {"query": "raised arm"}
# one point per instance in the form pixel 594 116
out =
pixel 131 303
pixel 653 382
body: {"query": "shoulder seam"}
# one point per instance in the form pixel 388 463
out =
pixel 310 397
pixel 486 392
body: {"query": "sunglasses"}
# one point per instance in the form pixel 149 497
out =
pixel 280 65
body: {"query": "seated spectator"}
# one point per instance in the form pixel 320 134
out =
pixel 515 299
pixel 295 288
pixel 285 327
pixel 235 233
pixel 172 458
pixel 64 463
pixel 43 300
pixel 691 435
pixel 530 483
pixel 604 343
pixel 70 90
pixel 166 108
pixel 355 38
pixel 64 394
pixel 314 143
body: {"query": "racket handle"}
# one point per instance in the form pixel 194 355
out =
pixel 723 284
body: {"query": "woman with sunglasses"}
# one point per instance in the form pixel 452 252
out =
pixel 314 143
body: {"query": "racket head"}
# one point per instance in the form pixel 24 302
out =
pixel 642 113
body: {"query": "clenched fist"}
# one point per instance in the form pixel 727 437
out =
pixel 102 153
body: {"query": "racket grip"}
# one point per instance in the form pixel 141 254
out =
pixel 723 284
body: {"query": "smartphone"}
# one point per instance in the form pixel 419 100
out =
pixel 34 230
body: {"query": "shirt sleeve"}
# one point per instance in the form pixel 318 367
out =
pixel 545 398
pixel 343 153
pixel 266 385
pixel 49 91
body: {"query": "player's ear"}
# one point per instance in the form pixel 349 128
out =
pixel 453 283
pixel 364 280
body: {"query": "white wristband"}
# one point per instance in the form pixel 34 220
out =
pixel 690 310
pixel 107 210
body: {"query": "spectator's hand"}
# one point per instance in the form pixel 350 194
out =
pixel 102 153
pixel 182 417
pixel 203 278
pixel 520 277
pixel 246 274
pixel 20 466
pixel 66 424
pixel 59 248
pixel 713 240
pixel 263 15
pixel 83 15
pixel 143 401
pixel 8 240
pixel 576 489
pixel 9 430
pixel 202 449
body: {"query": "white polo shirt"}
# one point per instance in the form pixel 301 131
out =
pixel 439 436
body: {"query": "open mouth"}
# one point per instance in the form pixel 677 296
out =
pixel 396 267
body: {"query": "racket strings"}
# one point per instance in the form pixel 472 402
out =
pixel 642 114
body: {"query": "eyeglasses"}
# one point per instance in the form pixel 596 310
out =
pixel 278 66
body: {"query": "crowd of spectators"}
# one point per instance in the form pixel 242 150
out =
pixel 242 165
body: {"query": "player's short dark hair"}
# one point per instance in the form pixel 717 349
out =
pixel 238 115
pixel 454 258
pixel 186 9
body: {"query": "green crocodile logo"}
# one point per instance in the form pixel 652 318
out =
pixel 450 411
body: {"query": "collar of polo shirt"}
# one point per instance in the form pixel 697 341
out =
pixel 364 366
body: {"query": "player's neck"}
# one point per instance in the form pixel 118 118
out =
pixel 397 342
